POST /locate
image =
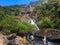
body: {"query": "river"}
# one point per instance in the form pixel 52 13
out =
pixel 42 43
pixel 39 41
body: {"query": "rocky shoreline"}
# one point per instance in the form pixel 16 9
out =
pixel 11 39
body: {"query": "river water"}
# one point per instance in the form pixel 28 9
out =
pixel 42 43
pixel 39 41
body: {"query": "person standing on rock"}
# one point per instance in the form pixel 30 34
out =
pixel 44 40
pixel 32 37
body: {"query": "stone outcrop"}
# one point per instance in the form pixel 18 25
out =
pixel 50 33
pixel 11 39
pixel 53 34
pixel 11 36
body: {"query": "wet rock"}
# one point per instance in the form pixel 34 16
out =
pixel 53 34
pixel 50 33
pixel 16 41
pixel 11 36
pixel 12 42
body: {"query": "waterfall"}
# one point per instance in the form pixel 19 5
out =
pixel 32 21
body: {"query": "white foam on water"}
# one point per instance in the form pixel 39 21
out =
pixel 32 21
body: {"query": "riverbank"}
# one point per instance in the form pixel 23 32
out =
pixel 18 40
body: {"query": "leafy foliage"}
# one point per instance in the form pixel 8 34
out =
pixel 9 24
pixel 46 23
pixel 49 9
pixel 26 28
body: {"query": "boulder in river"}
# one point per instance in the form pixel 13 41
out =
pixel 53 35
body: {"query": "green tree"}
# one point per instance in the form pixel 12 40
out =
pixel 46 23
pixel 9 24
pixel 26 28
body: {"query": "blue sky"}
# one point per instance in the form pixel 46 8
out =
pixel 14 2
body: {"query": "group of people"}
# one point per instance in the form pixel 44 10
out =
pixel 31 38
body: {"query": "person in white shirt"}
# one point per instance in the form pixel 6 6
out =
pixel 44 40
pixel 32 37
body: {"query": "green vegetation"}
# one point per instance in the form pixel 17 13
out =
pixel 9 24
pixel 47 15
pixel 10 10
pixel 46 23
pixel 26 28
pixel 50 10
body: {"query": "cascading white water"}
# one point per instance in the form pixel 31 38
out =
pixel 32 21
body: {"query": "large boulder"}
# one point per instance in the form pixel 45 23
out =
pixel 53 34
pixel 11 36
pixel 50 33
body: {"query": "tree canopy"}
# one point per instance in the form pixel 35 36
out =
pixel 49 9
